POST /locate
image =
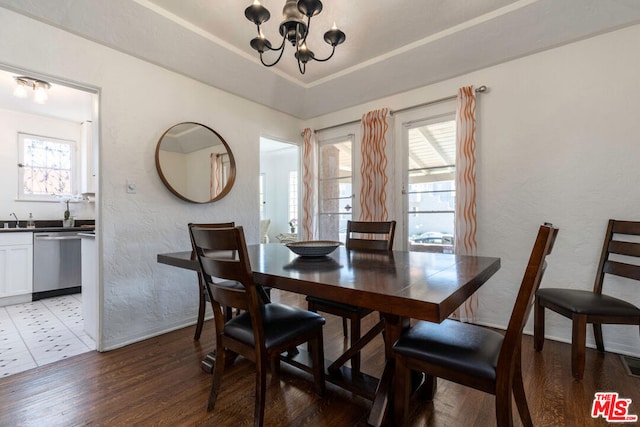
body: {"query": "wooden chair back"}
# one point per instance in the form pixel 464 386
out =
pixel 524 301
pixel 207 225
pixel 619 240
pixel 371 235
pixel 222 253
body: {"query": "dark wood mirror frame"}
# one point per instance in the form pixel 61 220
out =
pixel 213 139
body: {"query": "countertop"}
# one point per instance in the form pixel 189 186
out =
pixel 47 229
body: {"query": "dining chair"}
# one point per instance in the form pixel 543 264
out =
pixel 203 297
pixel 361 236
pixel 472 355
pixel 620 257
pixel 263 330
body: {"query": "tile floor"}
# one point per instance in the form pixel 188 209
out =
pixel 40 332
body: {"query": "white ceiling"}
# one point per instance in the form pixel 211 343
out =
pixel 391 46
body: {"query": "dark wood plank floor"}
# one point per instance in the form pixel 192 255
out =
pixel 159 382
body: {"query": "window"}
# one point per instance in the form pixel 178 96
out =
pixel 431 186
pixel 293 196
pixel 46 167
pixel 335 192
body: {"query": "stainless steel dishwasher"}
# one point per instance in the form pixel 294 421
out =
pixel 57 264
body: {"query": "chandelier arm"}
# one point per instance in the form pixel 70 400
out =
pixel 276 61
pixel 327 58
pixel 302 67
pixel 281 47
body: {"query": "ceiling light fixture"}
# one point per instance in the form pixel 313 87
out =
pixel 294 29
pixel 39 88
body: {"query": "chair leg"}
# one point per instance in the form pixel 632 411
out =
pixel 578 345
pixel 275 367
pixel 344 327
pixel 430 387
pixel 261 392
pixel 200 323
pixel 402 391
pixel 520 396
pixel 597 332
pixel 355 336
pixel 317 358
pixel 218 372
pixel 538 326
pixel 503 407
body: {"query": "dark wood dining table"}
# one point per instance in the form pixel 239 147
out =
pixel 400 285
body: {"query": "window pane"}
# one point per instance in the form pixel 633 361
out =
pixel 335 188
pixel 293 197
pixel 334 226
pixel 46 166
pixel 431 185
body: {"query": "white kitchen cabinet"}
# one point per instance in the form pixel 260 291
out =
pixel 16 267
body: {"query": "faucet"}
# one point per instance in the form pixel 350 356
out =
pixel 17 221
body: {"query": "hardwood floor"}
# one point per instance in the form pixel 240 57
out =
pixel 159 382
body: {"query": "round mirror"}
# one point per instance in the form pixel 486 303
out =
pixel 195 163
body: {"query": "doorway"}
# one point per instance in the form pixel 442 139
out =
pixel 69 112
pixel 279 190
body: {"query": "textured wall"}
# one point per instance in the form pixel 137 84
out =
pixel 138 102
pixel 557 141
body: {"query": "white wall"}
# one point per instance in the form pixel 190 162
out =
pixel 558 142
pixel 139 101
pixel 12 123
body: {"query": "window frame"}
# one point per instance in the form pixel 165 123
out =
pixel 73 170
pixel 350 137
pixel 432 113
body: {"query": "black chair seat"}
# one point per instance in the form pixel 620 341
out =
pixel 339 305
pixel 281 324
pixel 457 346
pixel 587 302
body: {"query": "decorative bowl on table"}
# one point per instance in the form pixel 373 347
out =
pixel 313 248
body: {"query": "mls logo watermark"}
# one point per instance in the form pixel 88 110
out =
pixel 612 408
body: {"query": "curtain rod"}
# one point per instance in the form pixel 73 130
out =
pixel 480 89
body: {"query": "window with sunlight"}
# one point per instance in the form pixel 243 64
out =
pixel 335 189
pixel 46 167
pixel 293 199
pixel 431 185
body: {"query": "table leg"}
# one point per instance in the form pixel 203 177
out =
pixel 393 327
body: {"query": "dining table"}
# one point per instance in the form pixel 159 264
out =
pixel 400 285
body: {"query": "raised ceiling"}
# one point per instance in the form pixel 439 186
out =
pixel 391 46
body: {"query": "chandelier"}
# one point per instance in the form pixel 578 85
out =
pixel 292 28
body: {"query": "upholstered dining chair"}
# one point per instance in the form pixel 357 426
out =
pixel 472 355
pixel 361 236
pixel 620 257
pixel 263 330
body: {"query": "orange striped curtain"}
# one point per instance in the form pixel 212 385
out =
pixel 307 229
pixel 465 216
pixel 215 180
pixel 373 194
